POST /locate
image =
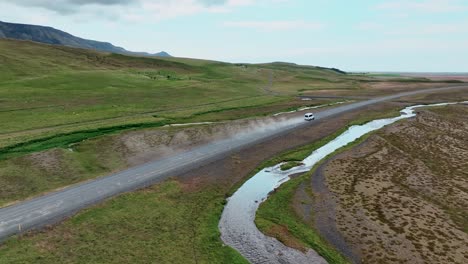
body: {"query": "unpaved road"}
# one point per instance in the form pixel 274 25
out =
pixel 55 206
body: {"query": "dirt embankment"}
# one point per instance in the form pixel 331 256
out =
pixel 401 196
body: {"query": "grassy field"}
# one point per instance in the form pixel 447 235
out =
pixel 29 175
pixel 46 90
pixel 162 224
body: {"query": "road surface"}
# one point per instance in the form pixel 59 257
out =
pixel 55 206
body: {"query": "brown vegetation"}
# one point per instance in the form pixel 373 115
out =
pixel 401 197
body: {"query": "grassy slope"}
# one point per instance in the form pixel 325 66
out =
pixel 44 86
pixel 162 224
pixel 46 90
pixel 49 90
pixel 30 175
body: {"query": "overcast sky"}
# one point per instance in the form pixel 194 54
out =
pixel 380 35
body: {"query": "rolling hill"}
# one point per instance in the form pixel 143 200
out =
pixel 51 89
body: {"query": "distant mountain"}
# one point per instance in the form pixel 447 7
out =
pixel 54 36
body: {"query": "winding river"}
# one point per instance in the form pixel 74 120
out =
pixel 237 225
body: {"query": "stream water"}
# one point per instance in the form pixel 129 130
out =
pixel 237 222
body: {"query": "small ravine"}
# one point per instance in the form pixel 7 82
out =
pixel 237 225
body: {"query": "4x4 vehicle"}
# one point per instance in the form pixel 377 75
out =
pixel 309 117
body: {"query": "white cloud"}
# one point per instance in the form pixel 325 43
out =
pixel 136 10
pixel 369 26
pixel 449 28
pixel 166 9
pixel 278 25
pixel 155 10
pixel 169 9
pixel 240 2
pixel 252 2
pixel 429 6
pixel 414 29
pixel 69 6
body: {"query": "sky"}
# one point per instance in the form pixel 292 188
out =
pixel 360 35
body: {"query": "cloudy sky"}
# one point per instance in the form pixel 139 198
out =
pixel 379 35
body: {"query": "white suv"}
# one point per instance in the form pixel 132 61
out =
pixel 309 117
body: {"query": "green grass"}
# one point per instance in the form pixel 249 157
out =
pixel 66 139
pixel 27 176
pixel 53 96
pixel 162 224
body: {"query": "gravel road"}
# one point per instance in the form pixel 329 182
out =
pixel 55 206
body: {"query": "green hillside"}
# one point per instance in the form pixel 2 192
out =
pixel 52 96
pixel 46 90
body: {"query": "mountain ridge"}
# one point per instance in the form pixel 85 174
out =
pixel 50 35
